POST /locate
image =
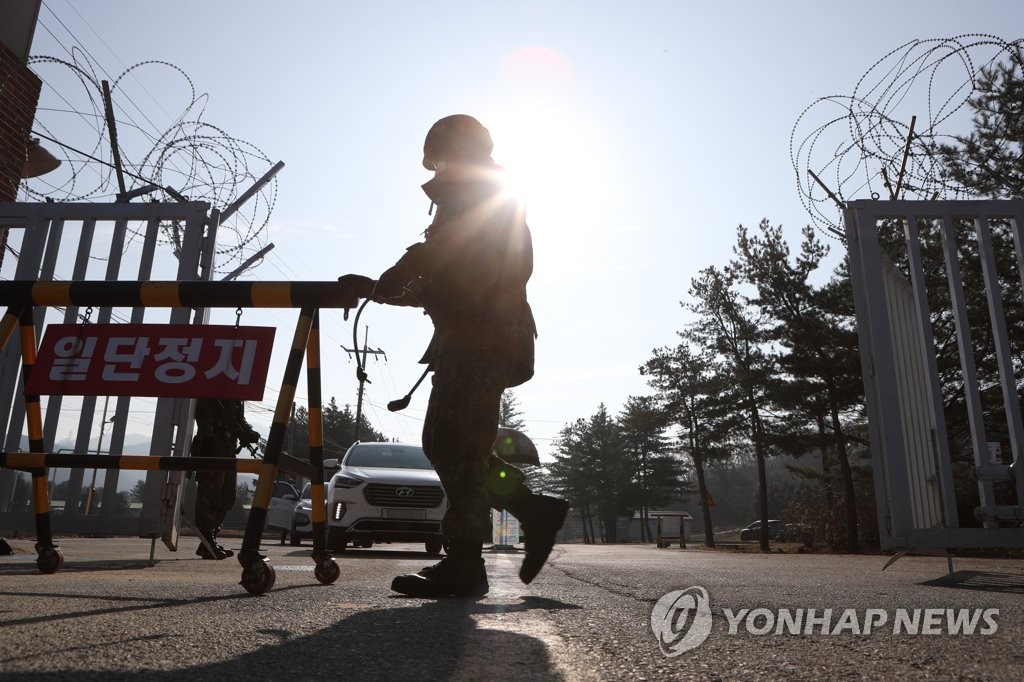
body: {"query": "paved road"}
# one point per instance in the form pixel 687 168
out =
pixel 109 615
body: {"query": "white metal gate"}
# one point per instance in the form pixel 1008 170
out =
pixel 55 242
pixel 915 466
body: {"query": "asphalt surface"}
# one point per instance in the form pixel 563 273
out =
pixel 108 614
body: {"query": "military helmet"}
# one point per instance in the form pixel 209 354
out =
pixel 456 137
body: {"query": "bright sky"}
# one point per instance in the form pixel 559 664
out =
pixel 645 132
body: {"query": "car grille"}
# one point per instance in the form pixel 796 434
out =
pixel 421 497
pixel 392 526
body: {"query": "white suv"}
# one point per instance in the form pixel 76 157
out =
pixel 384 492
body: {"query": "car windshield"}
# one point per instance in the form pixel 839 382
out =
pixel 306 492
pixel 387 455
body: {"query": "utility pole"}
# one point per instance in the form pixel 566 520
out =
pixel 99 450
pixel 361 372
pixel 291 432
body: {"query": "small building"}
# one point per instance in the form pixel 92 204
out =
pixel 672 523
pixel 628 528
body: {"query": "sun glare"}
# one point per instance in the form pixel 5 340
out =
pixel 555 165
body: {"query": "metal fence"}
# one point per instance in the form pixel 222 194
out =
pixel 942 272
pixel 74 242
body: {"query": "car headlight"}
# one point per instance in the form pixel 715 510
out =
pixel 338 511
pixel 341 481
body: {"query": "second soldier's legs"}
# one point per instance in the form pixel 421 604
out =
pixel 228 491
pixel 215 496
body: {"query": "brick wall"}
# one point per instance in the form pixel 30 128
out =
pixel 19 94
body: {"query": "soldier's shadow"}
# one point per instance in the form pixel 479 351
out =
pixel 416 640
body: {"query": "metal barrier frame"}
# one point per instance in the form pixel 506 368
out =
pixel 257 573
pixel 62 241
pixel 912 463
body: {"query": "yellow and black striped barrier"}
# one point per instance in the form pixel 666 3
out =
pixel 316 441
pixel 8 323
pixel 34 417
pixel 174 294
pixel 21 297
pixel 31 461
pixel 275 439
pixel 28 461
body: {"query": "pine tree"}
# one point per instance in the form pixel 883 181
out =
pixel 655 472
pixel 814 327
pixel 571 474
pixel 694 390
pixel 592 470
pixel 509 414
pixel 989 161
pixel 737 334
pixel 338 431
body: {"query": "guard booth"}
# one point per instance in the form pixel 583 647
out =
pixel 921 476
pixel 672 527
pixel 87 342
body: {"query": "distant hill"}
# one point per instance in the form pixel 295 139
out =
pixel 135 444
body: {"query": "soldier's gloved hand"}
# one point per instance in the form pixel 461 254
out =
pixel 249 437
pixel 358 285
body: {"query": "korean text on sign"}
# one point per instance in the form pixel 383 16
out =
pixel 162 360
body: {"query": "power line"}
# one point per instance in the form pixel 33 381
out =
pixel 91 59
pixel 141 85
pixel 198 159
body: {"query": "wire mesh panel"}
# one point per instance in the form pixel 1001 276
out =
pixel 107 242
pixel 940 317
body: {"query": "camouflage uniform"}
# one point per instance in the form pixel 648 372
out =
pixel 469 274
pixel 220 425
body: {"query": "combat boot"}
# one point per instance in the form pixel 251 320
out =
pixel 460 574
pixel 541 517
pixel 221 549
pixel 218 552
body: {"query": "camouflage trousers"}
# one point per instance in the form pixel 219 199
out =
pixel 215 490
pixel 458 434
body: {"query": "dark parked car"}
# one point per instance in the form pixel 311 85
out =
pixel 302 518
pixel 777 531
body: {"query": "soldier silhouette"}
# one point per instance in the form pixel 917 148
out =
pixel 221 430
pixel 469 274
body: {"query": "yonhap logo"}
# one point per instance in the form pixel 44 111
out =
pixel 681 620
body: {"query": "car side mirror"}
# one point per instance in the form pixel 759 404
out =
pixel 331 463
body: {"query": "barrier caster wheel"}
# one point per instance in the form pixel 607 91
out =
pixel 327 572
pixel 258 577
pixel 50 560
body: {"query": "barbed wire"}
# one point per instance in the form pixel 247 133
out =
pixel 857 144
pixel 189 158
